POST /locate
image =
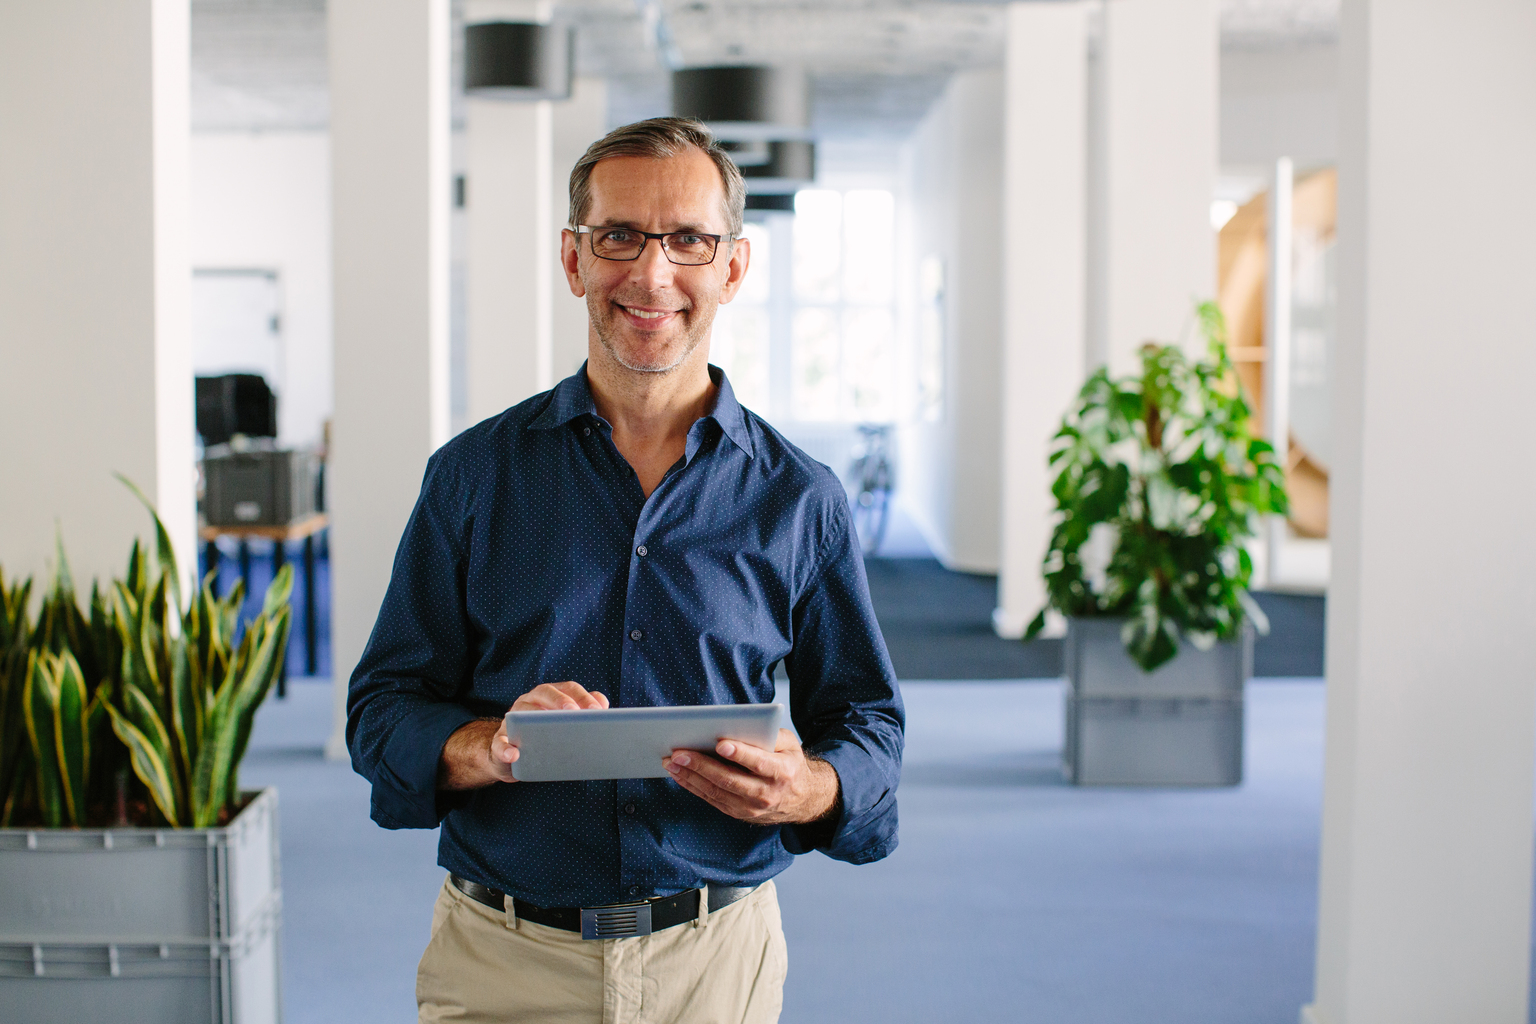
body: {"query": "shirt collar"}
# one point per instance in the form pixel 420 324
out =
pixel 572 397
pixel 729 413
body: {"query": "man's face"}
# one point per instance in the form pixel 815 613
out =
pixel 650 314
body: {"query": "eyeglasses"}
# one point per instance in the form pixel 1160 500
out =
pixel 685 248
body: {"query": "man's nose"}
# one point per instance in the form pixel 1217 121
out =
pixel 652 269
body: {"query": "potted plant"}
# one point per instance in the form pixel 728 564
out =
pixel 1160 482
pixel 137 882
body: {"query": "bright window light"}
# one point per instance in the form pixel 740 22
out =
pixel 1222 210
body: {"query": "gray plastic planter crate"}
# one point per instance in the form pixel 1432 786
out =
pixel 1181 725
pixel 161 926
pixel 259 488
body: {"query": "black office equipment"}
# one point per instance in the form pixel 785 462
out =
pixel 235 403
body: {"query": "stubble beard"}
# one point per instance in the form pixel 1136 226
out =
pixel 606 321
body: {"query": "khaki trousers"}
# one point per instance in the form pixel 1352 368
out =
pixel 483 966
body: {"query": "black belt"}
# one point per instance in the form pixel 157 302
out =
pixel 613 921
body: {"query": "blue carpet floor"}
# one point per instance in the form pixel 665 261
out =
pixel 1011 898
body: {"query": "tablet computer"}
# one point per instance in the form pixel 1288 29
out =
pixel 629 743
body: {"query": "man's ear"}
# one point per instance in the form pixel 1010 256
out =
pixel 736 269
pixel 570 262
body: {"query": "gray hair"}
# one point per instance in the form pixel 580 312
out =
pixel 659 138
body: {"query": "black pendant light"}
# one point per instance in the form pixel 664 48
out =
pixel 518 60
pixel 791 165
pixel 744 102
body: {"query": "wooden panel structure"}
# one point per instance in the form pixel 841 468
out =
pixel 1243 271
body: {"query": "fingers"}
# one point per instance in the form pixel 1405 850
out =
pixel 769 764
pixel 725 787
pixel 566 696
pixel 723 776
pixel 503 751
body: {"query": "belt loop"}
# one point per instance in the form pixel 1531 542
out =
pixel 703 919
pixel 511 912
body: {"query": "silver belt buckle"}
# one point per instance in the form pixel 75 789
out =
pixel 621 921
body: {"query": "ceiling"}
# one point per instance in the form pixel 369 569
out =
pixel 875 65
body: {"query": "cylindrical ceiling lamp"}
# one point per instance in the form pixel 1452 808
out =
pixel 518 60
pixel 790 165
pixel 745 103
pixel 777 202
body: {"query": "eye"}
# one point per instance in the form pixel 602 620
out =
pixel 614 235
pixel 687 239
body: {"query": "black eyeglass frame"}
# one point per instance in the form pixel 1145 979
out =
pixel 645 239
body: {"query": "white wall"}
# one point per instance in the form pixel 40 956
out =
pixel 1152 250
pixel 262 201
pixel 578 122
pixel 952 206
pixel 390 182
pixel 1044 293
pixel 1279 102
pixel 95 359
pixel 1425 882
pixel 508 254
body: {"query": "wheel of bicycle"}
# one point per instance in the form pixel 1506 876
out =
pixel 871 514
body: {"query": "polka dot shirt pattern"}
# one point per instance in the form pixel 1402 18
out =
pixel 532 556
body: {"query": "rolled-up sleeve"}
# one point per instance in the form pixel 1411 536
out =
pixel 406 696
pixel 845 703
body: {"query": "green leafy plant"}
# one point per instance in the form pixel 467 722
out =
pixel 139 682
pixel 16 769
pixel 1164 471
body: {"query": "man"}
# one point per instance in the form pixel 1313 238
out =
pixel 632 537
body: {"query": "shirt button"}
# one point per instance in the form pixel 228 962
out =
pixel 629 808
pixel 634 890
pixel 586 431
pixel 635 634
pixel 641 551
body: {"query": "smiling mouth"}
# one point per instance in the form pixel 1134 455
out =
pixel 647 314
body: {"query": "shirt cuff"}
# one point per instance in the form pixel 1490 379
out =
pixel 405 785
pixel 865 827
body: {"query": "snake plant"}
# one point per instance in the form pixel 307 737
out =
pixel 1165 466
pixel 179 684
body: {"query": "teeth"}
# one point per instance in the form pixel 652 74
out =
pixel 646 314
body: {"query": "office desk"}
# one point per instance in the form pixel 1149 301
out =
pixel 305 529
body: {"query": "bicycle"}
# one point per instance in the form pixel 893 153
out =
pixel 876 478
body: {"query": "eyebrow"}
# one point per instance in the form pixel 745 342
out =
pixel 694 228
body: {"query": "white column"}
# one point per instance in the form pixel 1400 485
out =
pixel 1277 338
pixel 509 260
pixel 1043 281
pixel 578 122
pixel 1157 71
pixel 95 351
pixel 390 196
pixel 1425 889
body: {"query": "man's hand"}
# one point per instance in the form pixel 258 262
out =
pixel 479 753
pixel 758 786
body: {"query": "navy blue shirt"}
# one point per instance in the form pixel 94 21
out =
pixel 533 556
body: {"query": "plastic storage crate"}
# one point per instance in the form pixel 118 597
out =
pixel 259 488
pixel 161 926
pixel 1181 725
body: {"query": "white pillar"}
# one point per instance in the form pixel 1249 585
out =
pixel 95 351
pixel 578 122
pixel 390 197
pixel 509 260
pixel 1425 888
pixel 1155 250
pixel 1043 281
pixel 1277 338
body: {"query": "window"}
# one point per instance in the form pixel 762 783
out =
pixel 843 362
pixel 741 341
pixel 812 336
